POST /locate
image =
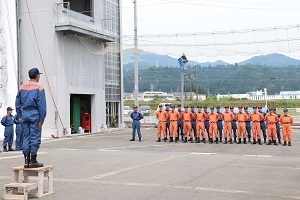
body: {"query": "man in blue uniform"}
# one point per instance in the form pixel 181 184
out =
pixel 167 122
pixel 206 122
pixel 278 127
pixel 248 124
pixel 180 123
pixel 233 124
pixel 136 116
pixel 8 122
pixel 263 124
pixel 19 133
pixel 194 121
pixel 31 109
pixel 220 123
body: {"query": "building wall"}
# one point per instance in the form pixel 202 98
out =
pixel 69 66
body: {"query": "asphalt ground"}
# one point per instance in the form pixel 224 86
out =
pixel 109 166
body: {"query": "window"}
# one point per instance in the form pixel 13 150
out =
pixel 84 7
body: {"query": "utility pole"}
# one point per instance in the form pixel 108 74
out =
pixel 151 87
pixel 136 67
pixel 197 81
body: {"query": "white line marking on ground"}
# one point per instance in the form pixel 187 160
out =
pixel 196 153
pixel 67 149
pixel 19 156
pixel 118 171
pixel 112 150
pixel 133 147
pixel 262 156
pixel 265 166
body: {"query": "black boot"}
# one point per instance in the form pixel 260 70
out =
pixel 249 139
pixel 197 140
pixel 259 142
pixel 217 140
pixel 158 140
pixel 284 143
pixel 204 140
pixel 185 140
pixel 140 139
pixel 171 139
pixel 165 139
pixel 27 160
pixel 234 140
pixel 34 163
pixel 279 141
pixel 275 143
pixel 230 140
pixel 182 138
pixel 254 141
pixel 245 141
pixel 269 143
pixel 240 141
pixel 221 139
pixel 225 141
pixel 133 139
pixel 10 149
pixel 210 141
pixel 176 139
pixel 290 144
pixel 192 140
pixel 265 140
pixel 4 149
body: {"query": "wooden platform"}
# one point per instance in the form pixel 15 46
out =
pixel 40 173
pixel 11 190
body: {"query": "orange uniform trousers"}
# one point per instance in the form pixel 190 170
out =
pixel 173 128
pixel 287 132
pixel 213 130
pixel 272 134
pixel 256 131
pixel 187 129
pixel 200 127
pixel 242 130
pixel 227 129
pixel 161 127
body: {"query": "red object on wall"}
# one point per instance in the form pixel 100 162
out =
pixel 86 122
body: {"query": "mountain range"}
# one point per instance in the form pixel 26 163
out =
pixel 148 59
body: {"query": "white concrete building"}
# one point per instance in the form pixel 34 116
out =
pixel 79 45
pixel 150 95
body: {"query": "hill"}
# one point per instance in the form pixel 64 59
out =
pixel 275 60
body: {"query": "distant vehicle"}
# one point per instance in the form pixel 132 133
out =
pixel 127 110
pixel 164 105
pixel 145 110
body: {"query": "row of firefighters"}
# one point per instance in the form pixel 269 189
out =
pixel 233 127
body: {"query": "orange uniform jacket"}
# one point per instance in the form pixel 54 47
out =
pixel 173 115
pixel 227 116
pixel 161 116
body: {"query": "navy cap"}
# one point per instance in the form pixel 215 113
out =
pixel 254 107
pixel 226 107
pixel 9 109
pixel 179 105
pixel 240 107
pixel 185 106
pixel 34 72
pixel 218 107
pixel 246 108
pixel 135 107
pixel 205 107
pixel 231 107
pixel 274 108
pixel 192 106
pixel 199 106
pixel 259 107
pixel 285 110
pixel 212 108
pixel 167 105
pixel 160 106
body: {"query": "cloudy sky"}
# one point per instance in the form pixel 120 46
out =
pixel 192 16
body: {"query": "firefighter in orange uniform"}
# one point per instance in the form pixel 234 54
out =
pixel 161 126
pixel 286 121
pixel 227 117
pixel 187 126
pixel 256 117
pixel 213 128
pixel 271 119
pixel 200 125
pixel 173 116
pixel 241 117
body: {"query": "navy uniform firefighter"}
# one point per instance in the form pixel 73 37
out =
pixel 8 122
pixel 220 123
pixel 19 133
pixel 136 116
pixel 248 124
pixel 233 124
pixel 31 109
pixel 206 121
pixel 263 124
pixel 180 123
pixel 278 127
pixel 168 120
pixel 194 121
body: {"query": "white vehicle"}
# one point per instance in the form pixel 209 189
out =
pixel 164 105
pixel 127 110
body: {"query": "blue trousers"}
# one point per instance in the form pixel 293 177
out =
pixel 194 127
pixel 19 137
pixel 278 131
pixel 168 127
pixel 248 128
pixel 234 127
pixel 8 136
pixel 180 128
pixel 263 129
pixel 220 128
pixel 206 124
pixel 31 132
pixel 136 126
